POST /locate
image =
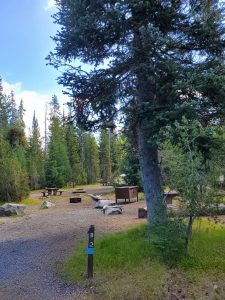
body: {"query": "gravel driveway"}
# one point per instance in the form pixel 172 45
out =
pixel 33 248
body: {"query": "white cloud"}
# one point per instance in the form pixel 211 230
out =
pixel 50 4
pixel 33 101
pixel 7 87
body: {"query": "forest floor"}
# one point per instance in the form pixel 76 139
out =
pixel 34 247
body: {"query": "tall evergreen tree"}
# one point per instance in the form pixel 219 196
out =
pixel 35 157
pixel 105 157
pixel 74 158
pixel 130 166
pixel 4 109
pixel 58 169
pixel 155 61
pixel 91 158
pixel 16 131
pixel 13 179
pixel 54 107
pixel 21 112
pixel 13 109
pixel 117 152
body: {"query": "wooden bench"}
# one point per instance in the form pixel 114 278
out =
pixel 60 193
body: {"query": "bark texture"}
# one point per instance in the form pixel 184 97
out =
pixel 151 177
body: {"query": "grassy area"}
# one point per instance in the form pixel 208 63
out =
pixel 207 248
pixel 121 263
pixel 30 201
pixel 84 186
pixel 127 267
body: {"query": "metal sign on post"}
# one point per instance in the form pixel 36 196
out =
pixel 90 251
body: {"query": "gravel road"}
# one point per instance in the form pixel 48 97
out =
pixel 33 248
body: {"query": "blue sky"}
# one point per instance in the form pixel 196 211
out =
pixel 26 27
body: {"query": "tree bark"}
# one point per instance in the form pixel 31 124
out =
pixel 151 178
pixel 189 229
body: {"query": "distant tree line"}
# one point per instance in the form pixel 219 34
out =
pixel 71 156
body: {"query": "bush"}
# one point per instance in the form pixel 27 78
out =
pixel 169 240
pixel 13 180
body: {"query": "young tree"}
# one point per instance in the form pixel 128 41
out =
pixel 153 61
pixel 192 161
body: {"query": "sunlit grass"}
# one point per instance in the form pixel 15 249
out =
pixel 123 259
pixel 127 267
pixel 207 248
pixel 116 251
pixel 31 201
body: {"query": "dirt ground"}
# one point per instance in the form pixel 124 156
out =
pixel 34 247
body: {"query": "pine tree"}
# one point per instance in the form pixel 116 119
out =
pixel 91 158
pixel 105 157
pixel 13 179
pixel 154 61
pixel 35 158
pixel 20 113
pixel 55 109
pixel 58 169
pixel 130 166
pixel 80 135
pixel 117 153
pixel 4 109
pixel 74 158
pixel 13 109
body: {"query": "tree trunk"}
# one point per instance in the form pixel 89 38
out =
pixel 189 229
pixel 151 178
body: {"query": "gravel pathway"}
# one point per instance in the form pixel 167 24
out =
pixel 33 248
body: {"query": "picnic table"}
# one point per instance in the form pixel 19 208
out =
pixel 52 191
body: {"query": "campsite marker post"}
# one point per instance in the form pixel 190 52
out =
pixel 90 251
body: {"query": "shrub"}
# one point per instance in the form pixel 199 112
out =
pixel 168 238
pixel 13 180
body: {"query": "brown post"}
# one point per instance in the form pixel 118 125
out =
pixel 90 251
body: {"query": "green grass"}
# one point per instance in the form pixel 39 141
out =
pixel 27 201
pixel 116 251
pixel 84 186
pixel 31 201
pixel 127 267
pixel 122 259
pixel 207 248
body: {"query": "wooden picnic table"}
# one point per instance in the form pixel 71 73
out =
pixel 52 191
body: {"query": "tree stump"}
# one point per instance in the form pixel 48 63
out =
pixel 142 213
